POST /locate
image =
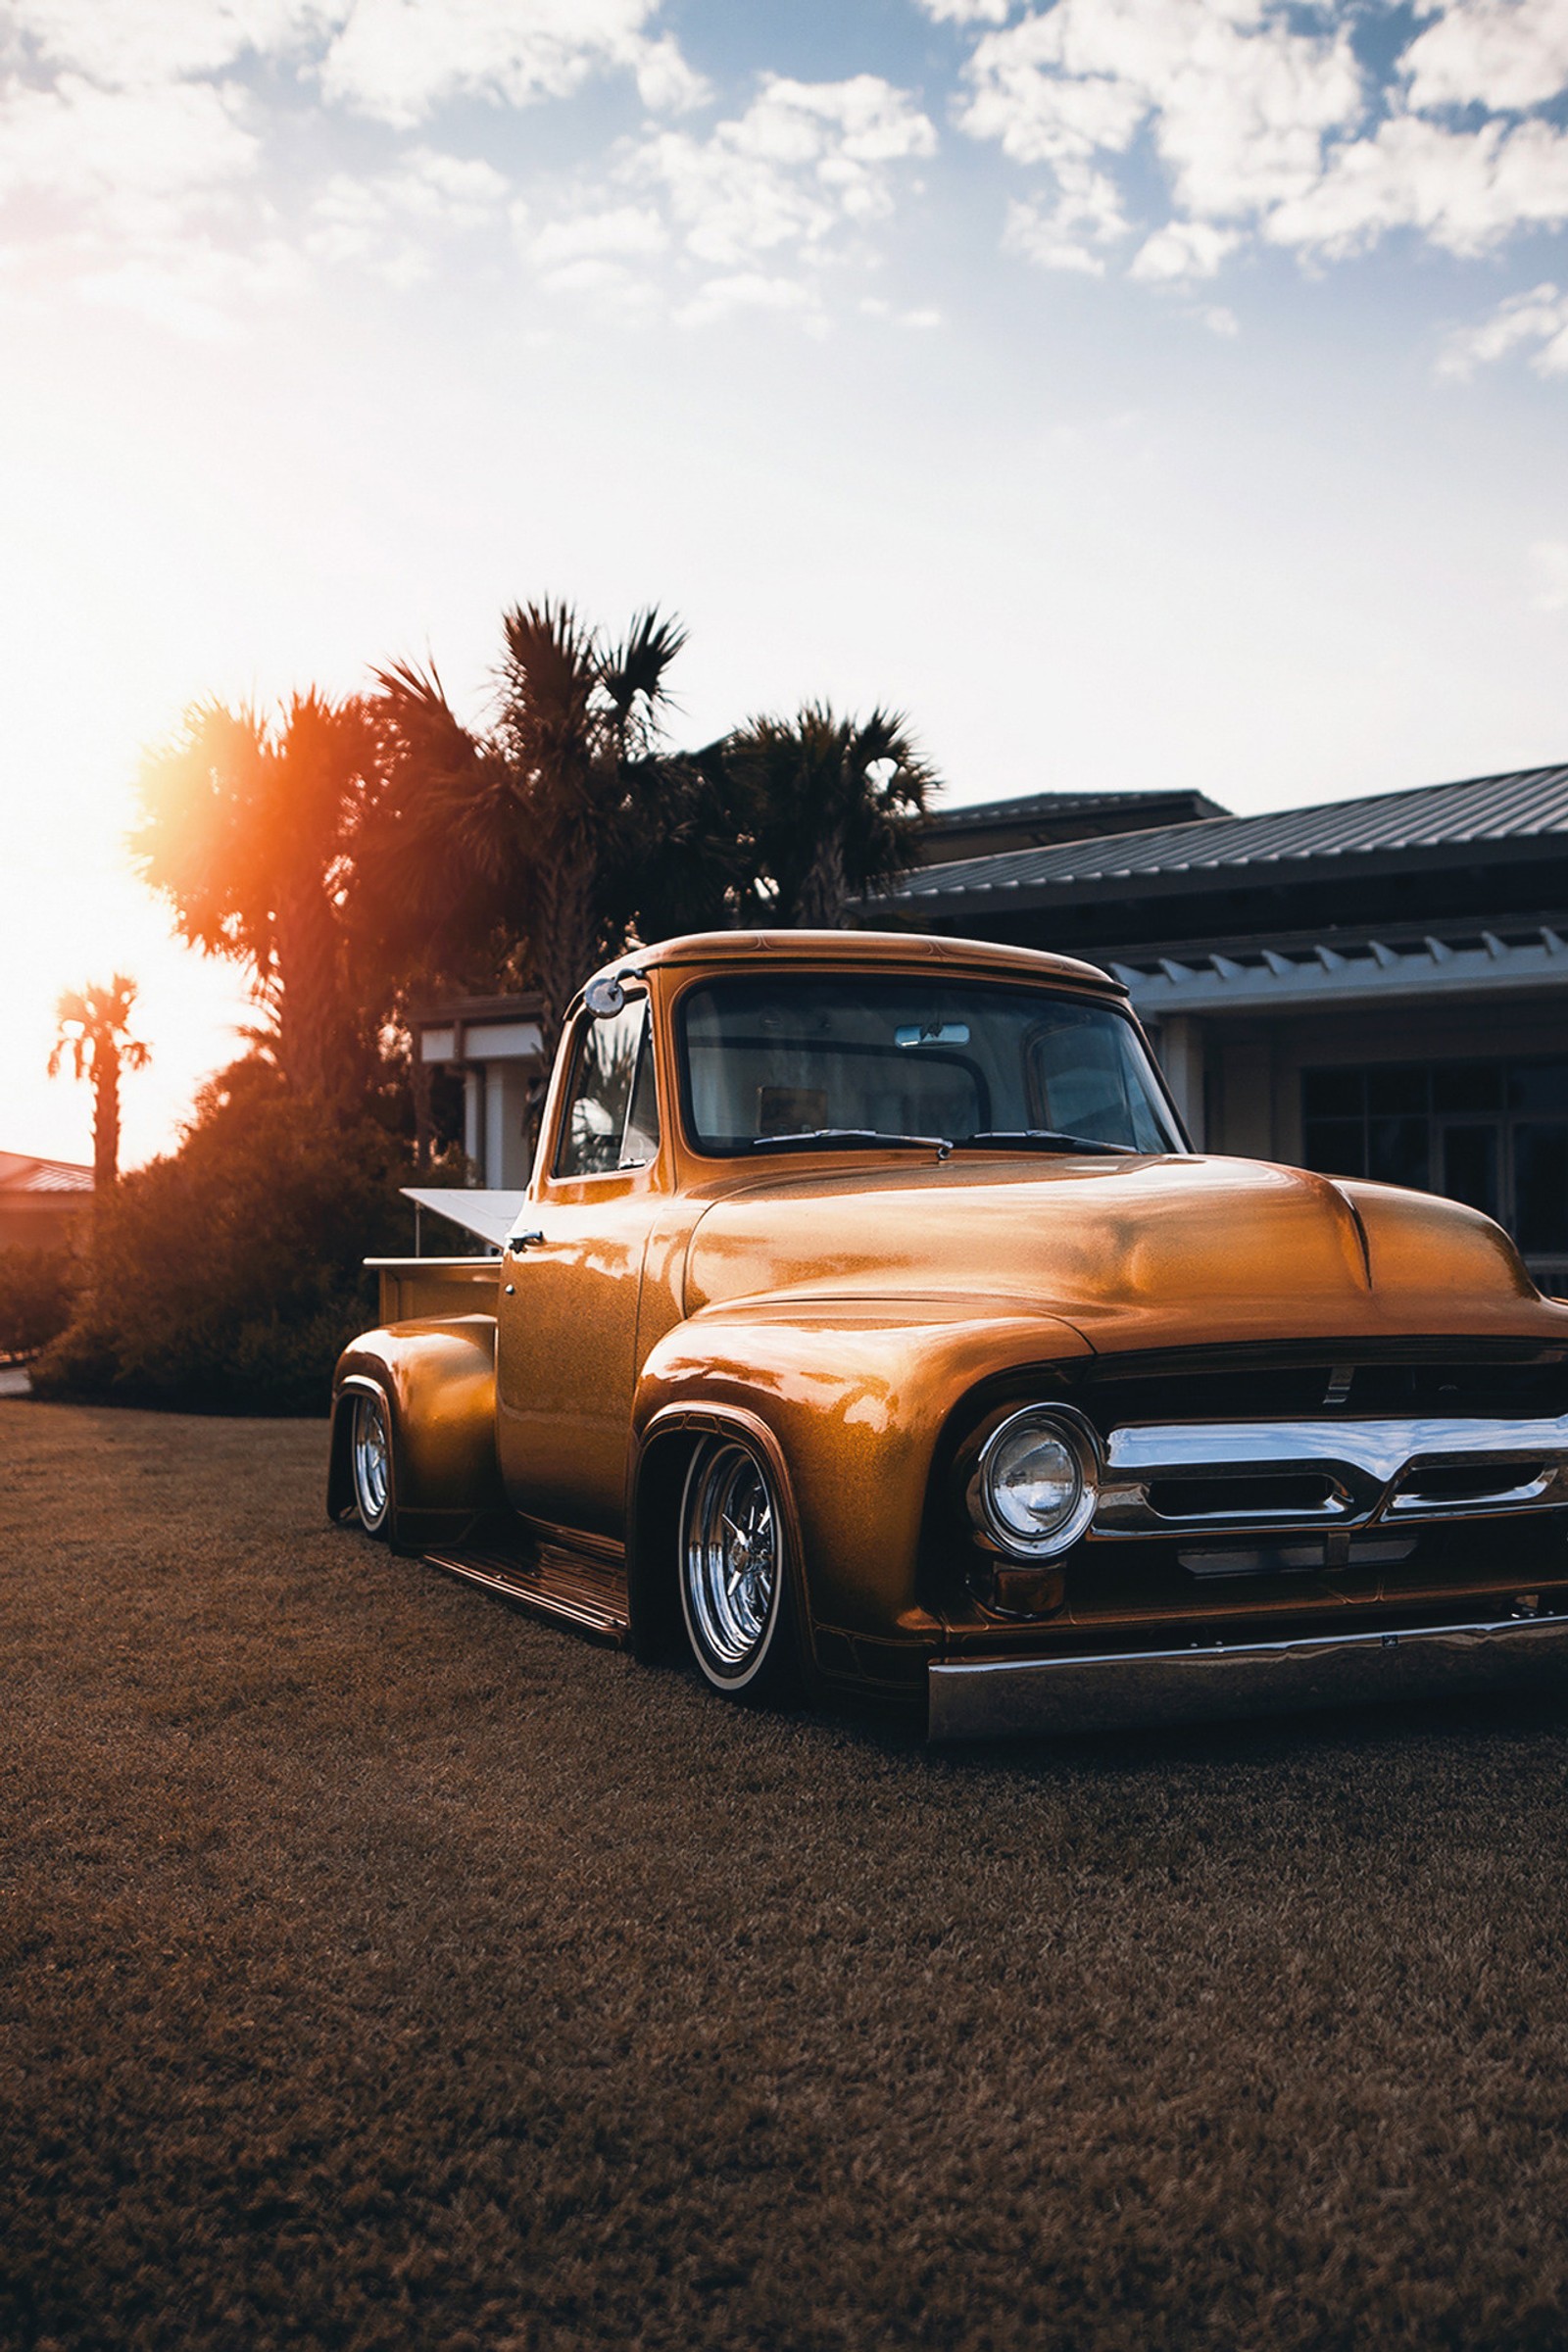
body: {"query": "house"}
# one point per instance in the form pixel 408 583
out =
pixel 43 1202
pixel 1375 987
pixel 496 1045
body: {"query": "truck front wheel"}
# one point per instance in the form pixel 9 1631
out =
pixel 734 1576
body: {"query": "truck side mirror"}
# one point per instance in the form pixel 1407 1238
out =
pixel 604 997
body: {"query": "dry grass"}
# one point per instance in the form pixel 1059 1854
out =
pixel 384 1969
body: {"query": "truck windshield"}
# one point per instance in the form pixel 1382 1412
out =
pixel 903 1056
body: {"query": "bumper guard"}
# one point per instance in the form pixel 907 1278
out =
pixel 994 1698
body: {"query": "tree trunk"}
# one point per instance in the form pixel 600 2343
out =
pixel 104 1116
pixel 821 901
pixel 568 933
pixel 311 1043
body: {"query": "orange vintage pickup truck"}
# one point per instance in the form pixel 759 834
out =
pixel 870 1325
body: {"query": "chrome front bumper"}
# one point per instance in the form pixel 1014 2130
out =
pixel 994 1698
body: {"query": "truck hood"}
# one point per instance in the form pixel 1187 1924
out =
pixel 1134 1252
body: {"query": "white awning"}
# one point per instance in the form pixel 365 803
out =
pixel 482 1040
pixel 1268 980
pixel 491 1215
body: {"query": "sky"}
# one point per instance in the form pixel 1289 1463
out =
pixel 1133 392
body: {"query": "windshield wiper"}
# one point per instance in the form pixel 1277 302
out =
pixel 1036 1139
pixel 830 1137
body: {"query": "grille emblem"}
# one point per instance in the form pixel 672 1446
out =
pixel 1339 1386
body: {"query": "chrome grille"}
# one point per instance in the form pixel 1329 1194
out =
pixel 1170 1477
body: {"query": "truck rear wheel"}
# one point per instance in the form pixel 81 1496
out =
pixel 370 1460
pixel 734 1575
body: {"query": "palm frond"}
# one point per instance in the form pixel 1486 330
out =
pixel 634 673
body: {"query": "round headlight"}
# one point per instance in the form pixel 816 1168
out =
pixel 1035 1486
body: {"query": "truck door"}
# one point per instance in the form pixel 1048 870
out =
pixel 565 1359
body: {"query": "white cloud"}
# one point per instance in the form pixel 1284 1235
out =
pixel 1238 102
pixel 1034 233
pixel 1501 54
pixel 128 117
pixel 130 43
pixel 124 160
pixel 1463 190
pixel 606 282
pixel 625 228
pixel 1220 320
pixel 1537 322
pixel 759 206
pixel 1184 249
pixel 665 83
pixel 1265 125
pixel 1548 562
pixel 750 290
pixel 399 59
pixel 394 59
pixel 875 306
pixel 1054 235
pixel 140 197
pixel 1039 109
pixel 968 12
pixel 805 159
pixel 113 104
pixel 393 220
pixel 124 123
pixel 196 288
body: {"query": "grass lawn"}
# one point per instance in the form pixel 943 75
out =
pixel 383 1969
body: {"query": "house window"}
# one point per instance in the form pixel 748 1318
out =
pixel 1494 1134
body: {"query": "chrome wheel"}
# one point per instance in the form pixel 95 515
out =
pixel 732 1562
pixel 371 1450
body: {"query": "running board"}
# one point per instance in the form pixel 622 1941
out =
pixel 570 1588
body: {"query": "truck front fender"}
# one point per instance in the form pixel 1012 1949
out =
pixel 856 1394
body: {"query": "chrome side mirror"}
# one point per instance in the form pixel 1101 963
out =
pixel 604 997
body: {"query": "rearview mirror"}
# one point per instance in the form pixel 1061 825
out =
pixel 933 1033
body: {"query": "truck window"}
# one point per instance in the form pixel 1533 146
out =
pixel 910 1054
pixel 611 1119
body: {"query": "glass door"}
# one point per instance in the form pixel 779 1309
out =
pixel 1470 1162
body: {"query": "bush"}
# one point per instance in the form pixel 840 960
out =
pixel 227 1277
pixel 37 1292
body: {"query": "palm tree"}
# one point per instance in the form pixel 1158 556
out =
pixel 435 862
pixel 247 827
pixel 526 843
pixel 530 852
pixel 834 804
pixel 578 730
pixel 693 862
pixel 95 1037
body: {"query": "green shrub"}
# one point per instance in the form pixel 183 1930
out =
pixel 227 1277
pixel 37 1292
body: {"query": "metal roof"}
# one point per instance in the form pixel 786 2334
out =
pixel 22 1173
pixel 1518 806
pixel 1035 807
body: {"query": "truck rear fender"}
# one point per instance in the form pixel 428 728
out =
pixel 438 1376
